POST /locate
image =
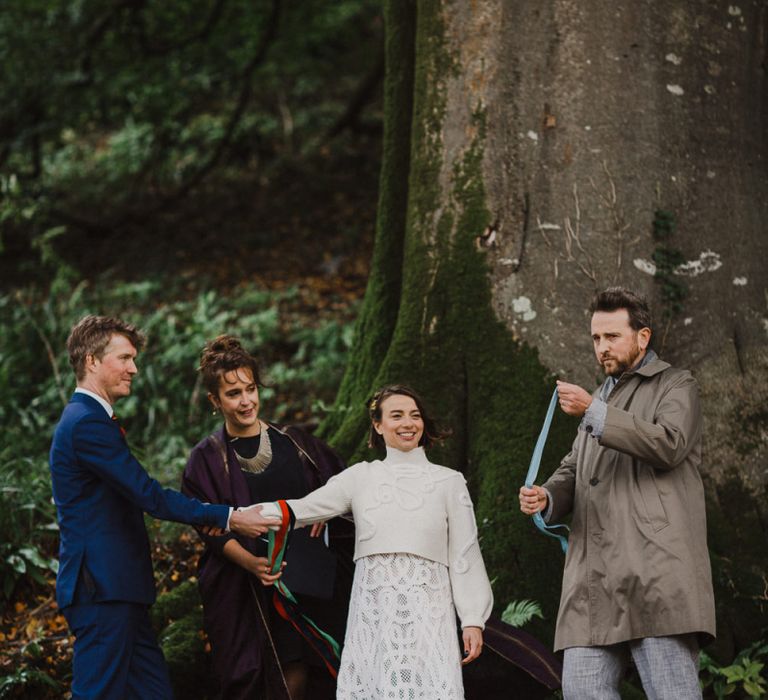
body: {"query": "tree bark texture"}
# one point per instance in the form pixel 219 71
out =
pixel 537 152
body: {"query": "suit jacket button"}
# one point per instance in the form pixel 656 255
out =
pixel 594 481
pixel 588 428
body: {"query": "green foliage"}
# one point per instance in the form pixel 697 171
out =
pixel 664 224
pixel 175 604
pixel 27 409
pixel 177 616
pixel 519 612
pixel 167 413
pixel 27 680
pixel 319 355
pixel 743 678
pixel 17 561
pixel 18 205
pixel 184 650
pixel 111 108
pixel 667 259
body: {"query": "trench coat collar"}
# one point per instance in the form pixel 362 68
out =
pixel 651 368
pixel 648 367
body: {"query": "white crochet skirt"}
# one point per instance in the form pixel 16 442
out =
pixel 401 639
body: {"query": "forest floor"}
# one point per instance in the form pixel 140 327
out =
pixel 35 643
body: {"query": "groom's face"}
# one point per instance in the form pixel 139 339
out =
pixel 113 372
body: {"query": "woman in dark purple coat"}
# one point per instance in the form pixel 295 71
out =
pixel 248 461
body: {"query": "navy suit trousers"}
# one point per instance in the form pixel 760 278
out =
pixel 117 656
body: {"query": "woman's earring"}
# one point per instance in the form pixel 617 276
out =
pixel 214 411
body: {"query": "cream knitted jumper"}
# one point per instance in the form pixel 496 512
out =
pixel 406 504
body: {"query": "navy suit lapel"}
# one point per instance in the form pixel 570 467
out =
pixel 97 411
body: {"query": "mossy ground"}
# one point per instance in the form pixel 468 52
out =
pixel 178 619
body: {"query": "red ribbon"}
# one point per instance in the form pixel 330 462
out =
pixel 286 605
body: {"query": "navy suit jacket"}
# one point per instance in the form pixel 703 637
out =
pixel 101 492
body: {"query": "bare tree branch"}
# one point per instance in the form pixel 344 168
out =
pixel 48 349
pixel 159 48
pixel 246 89
pixel 364 93
pixel 269 35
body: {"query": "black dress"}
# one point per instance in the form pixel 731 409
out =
pixel 284 478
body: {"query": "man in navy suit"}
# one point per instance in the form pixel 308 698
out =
pixel 105 583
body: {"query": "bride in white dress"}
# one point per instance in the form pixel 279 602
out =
pixel 418 562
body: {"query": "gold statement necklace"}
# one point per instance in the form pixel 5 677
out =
pixel 262 459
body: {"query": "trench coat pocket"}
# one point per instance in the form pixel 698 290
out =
pixel 654 508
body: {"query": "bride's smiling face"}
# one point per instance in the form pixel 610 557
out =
pixel 401 424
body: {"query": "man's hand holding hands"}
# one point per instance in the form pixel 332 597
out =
pixel 250 521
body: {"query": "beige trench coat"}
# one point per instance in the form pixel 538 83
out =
pixel 637 563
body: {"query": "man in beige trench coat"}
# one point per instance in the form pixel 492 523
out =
pixel 637 579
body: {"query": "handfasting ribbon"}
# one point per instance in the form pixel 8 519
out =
pixel 533 471
pixel 286 604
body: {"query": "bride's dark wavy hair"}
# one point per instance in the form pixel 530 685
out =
pixel 432 432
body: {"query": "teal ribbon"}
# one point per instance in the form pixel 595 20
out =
pixel 533 472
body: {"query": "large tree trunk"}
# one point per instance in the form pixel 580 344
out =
pixel 539 151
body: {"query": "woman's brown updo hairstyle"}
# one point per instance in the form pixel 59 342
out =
pixel 225 354
pixel 431 433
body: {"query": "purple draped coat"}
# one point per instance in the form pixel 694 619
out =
pixel 236 607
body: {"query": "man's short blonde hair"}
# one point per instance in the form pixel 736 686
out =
pixel 91 335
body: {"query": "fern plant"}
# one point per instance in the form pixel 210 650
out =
pixel 520 612
pixel 744 676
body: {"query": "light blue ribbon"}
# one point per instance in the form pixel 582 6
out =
pixel 533 471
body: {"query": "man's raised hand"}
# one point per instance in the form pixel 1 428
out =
pixel 532 500
pixel 573 399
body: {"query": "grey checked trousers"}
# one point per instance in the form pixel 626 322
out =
pixel 668 668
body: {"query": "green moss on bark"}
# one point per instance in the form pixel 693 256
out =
pixel 382 298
